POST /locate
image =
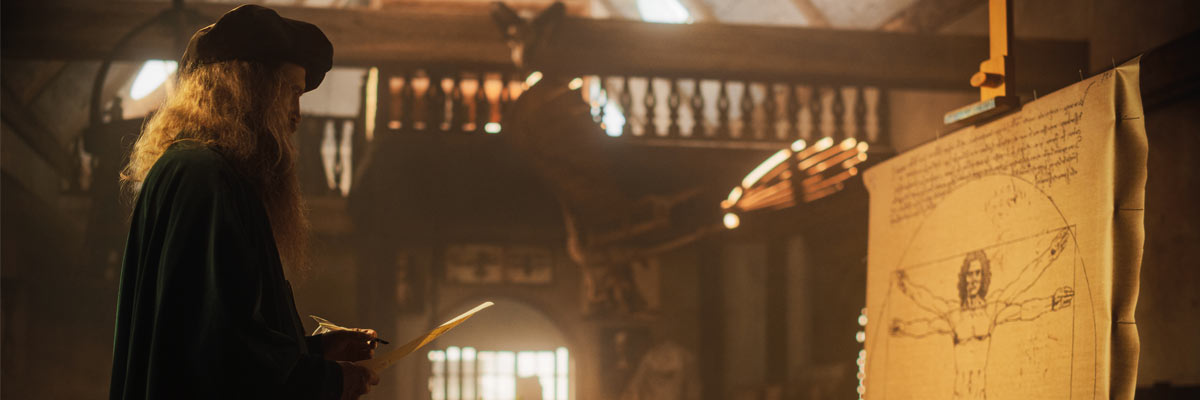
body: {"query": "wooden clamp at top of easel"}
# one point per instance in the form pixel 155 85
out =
pixel 995 78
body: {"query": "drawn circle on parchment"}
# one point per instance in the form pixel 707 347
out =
pixel 1032 354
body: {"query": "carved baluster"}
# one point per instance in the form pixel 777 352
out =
pixel 838 108
pixel 770 107
pixel 881 114
pixel 650 101
pixel 506 95
pixel 341 143
pixel 395 101
pixel 626 101
pixel 673 102
pixel 458 112
pixel 697 103
pixel 793 112
pixel 723 130
pixel 601 102
pixel 481 103
pixel 816 110
pixel 415 113
pixel 860 113
pixel 747 108
pixel 446 83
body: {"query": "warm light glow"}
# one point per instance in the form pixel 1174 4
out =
pixel 848 144
pixel 862 320
pixel 663 11
pixel 150 77
pixel 824 143
pixel 732 221
pixel 533 78
pixel 420 84
pixel 575 84
pixel 735 195
pixel 372 101
pixel 526 364
pixel 614 120
pixel 770 163
pixel 860 336
pixel 799 145
pixel 863 146
pixel 563 368
pixel 854 161
pixel 492 127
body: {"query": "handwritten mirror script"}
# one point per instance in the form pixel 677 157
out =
pixel 993 253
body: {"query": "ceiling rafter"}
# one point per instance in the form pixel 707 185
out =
pixel 50 31
pixel 928 16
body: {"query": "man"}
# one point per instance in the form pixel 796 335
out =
pixel 204 308
pixel 971 320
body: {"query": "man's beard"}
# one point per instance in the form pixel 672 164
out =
pixel 284 201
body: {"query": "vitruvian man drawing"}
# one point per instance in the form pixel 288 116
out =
pixel 986 286
pixel 970 320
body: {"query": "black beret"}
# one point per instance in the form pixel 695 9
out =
pixel 259 34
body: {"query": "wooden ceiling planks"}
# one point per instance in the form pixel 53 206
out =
pixel 578 46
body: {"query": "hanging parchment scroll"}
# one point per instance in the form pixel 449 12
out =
pixel 1003 259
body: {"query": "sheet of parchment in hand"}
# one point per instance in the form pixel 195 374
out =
pixel 1003 259
pixel 387 359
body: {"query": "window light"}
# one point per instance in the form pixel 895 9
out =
pixel 664 11
pixel 150 77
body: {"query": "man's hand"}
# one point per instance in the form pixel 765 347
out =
pixel 901 278
pixel 349 345
pixel 1062 298
pixel 1060 242
pixel 356 380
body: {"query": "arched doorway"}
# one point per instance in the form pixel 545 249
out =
pixel 510 351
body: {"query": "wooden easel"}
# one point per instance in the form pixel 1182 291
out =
pixel 995 77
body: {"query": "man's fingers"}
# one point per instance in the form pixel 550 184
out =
pixel 370 333
pixel 372 378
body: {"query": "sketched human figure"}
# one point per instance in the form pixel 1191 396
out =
pixel 971 319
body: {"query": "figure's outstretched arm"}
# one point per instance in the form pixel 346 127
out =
pixel 920 328
pixel 922 296
pixel 1031 309
pixel 1034 270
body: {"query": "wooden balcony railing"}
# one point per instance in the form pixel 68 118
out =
pixel 650 110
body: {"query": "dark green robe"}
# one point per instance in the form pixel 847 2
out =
pixel 204 310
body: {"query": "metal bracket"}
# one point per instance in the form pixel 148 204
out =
pixel 995 78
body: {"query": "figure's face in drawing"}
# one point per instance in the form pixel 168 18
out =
pixel 974 277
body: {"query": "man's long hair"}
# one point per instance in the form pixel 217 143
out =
pixel 985 269
pixel 239 109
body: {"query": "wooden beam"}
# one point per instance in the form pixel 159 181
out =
pixel 723 51
pixel 578 46
pixel 89 31
pixel 41 79
pixel 929 16
pixel 36 135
